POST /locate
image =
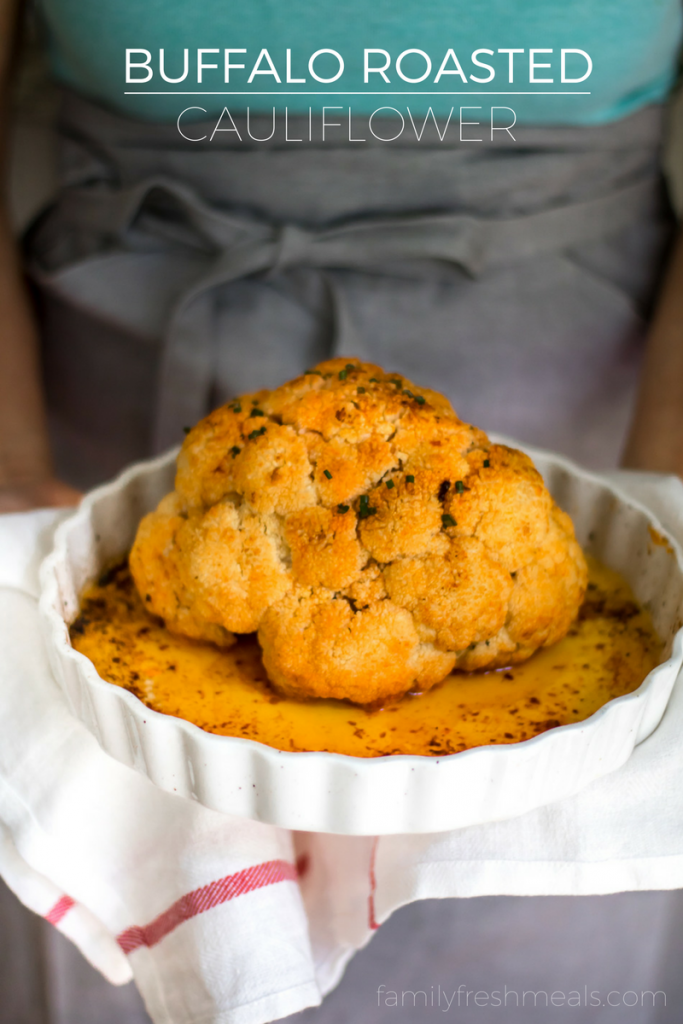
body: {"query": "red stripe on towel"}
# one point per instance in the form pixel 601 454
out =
pixel 60 909
pixel 211 895
pixel 372 921
pixel 302 864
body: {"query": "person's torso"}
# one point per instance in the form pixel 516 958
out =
pixel 633 47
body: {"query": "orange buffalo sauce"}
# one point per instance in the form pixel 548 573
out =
pixel 608 652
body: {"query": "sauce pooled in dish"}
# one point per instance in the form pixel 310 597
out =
pixel 608 652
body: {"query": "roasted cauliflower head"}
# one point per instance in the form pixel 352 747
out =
pixel 371 538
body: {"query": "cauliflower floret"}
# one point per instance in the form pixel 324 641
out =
pixel 371 538
pixel 154 565
pixel 229 558
pixel 324 644
pixel 459 598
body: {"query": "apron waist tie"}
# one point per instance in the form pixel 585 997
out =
pixel 160 213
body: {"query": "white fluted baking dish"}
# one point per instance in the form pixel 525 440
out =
pixel 336 793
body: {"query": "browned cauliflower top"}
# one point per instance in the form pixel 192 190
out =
pixel 373 539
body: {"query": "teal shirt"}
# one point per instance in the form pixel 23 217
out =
pixel 633 45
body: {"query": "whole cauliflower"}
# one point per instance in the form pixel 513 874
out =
pixel 373 539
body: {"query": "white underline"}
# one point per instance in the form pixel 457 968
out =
pixel 346 92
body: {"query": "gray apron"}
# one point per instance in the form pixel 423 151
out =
pixel 514 276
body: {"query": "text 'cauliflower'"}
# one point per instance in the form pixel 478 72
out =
pixel 373 539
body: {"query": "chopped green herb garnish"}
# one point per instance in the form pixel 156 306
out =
pixel 448 520
pixel 257 433
pixel 408 393
pixel 235 450
pixel 236 407
pixel 410 479
pixel 419 399
pixel 343 509
pixel 459 487
pixel 254 401
pixel 390 484
pixel 361 391
pixel 350 366
pixel 397 383
pixel 373 380
pixel 257 412
pixel 486 463
pixel 327 473
pixel 186 430
pixel 343 374
pixel 365 509
pixel 318 373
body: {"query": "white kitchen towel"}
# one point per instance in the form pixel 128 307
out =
pixel 225 920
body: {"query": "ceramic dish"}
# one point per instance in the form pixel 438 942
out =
pixel 326 792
